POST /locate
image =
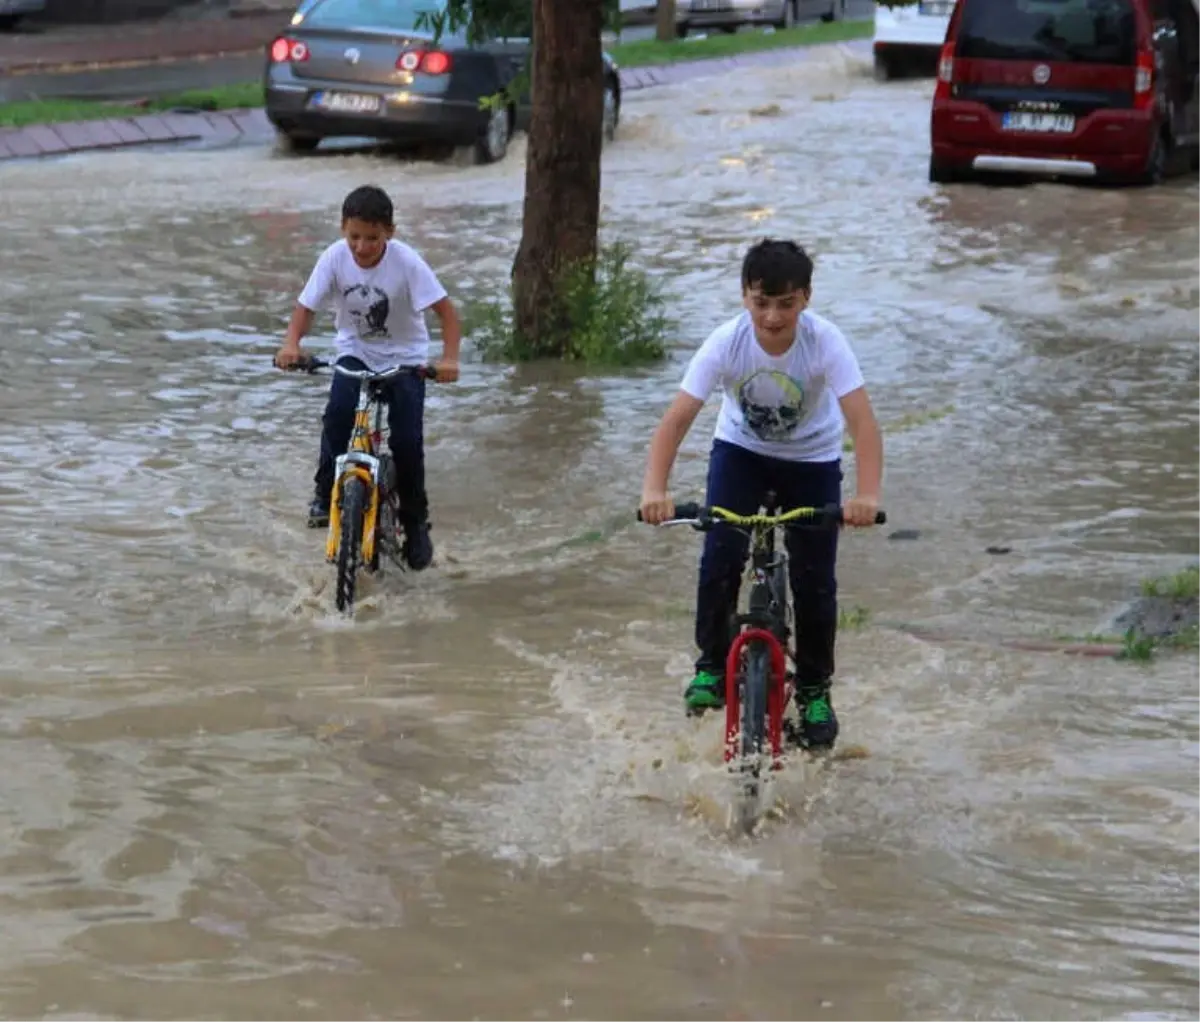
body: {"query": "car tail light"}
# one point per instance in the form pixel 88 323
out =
pixel 284 49
pixel 945 72
pixel 431 62
pixel 436 63
pixel 1143 81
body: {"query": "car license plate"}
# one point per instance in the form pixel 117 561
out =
pixel 1019 120
pixel 936 8
pixel 348 102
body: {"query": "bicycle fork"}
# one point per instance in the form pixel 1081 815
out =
pixel 776 694
pixel 356 463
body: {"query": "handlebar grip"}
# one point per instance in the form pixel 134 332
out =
pixel 688 510
pixel 307 365
pixel 834 513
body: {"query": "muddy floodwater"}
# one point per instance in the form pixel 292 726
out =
pixel 481 798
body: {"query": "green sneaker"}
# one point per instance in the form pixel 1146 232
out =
pixel 818 723
pixel 706 692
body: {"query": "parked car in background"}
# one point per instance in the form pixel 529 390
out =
pixel 909 38
pixel 363 68
pixel 730 15
pixel 1101 89
pixel 12 11
pixel 638 12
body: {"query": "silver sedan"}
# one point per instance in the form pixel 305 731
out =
pixel 729 15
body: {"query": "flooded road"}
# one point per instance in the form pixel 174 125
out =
pixel 481 798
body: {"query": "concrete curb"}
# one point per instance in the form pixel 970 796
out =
pixel 40 140
pixel 43 140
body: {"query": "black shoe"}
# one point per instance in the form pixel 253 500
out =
pixel 318 513
pixel 418 547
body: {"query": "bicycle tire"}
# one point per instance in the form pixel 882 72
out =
pixel 753 689
pixel 354 506
pixel 756 682
pixel 387 520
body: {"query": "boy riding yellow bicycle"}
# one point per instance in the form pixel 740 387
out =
pixel 380 289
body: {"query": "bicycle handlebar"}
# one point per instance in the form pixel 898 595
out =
pixel 311 364
pixel 705 517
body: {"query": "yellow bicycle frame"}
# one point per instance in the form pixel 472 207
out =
pixel 361 442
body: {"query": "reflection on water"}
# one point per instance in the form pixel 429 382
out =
pixel 480 797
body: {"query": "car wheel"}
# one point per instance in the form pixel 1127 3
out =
pixel 9 22
pixel 293 143
pixel 1157 161
pixel 612 112
pixel 837 11
pixel 941 174
pixel 492 146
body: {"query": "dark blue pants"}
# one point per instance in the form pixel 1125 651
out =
pixel 738 480
pixel 405 396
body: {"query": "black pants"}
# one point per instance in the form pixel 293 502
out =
pixel 405 396
pixel 738 480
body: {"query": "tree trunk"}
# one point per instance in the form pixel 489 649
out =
pixel 562 168
pixel 664 22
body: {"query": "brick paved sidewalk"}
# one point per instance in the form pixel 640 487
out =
pixel 252 125
pixel 171 38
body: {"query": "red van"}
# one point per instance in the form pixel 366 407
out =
pixel 1101 89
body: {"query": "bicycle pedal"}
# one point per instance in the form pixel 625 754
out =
pixel 700 711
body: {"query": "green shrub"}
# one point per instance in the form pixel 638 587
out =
pixel 615 316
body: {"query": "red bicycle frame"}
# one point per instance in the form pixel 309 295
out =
pixel 776 695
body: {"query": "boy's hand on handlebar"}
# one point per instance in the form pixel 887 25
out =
pixel 657 508
pixel 289 356
pixel 859 512
pixel 446 372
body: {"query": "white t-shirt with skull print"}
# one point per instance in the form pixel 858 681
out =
pixel 379 313
pixel 783 406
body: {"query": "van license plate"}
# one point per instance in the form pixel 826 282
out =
pixel 348 102
pixel 1019 120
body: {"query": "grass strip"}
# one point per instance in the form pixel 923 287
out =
pixel 241 96
pixel 651 53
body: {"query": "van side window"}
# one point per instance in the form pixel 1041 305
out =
pixel 1187 26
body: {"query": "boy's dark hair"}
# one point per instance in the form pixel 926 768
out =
pixel 369 204
pixel 777 268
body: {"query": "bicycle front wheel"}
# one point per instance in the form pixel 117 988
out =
pixel 354 505
pixel 756 681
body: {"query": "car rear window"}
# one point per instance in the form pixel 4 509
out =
pixel 394 14
pixel 1082 31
